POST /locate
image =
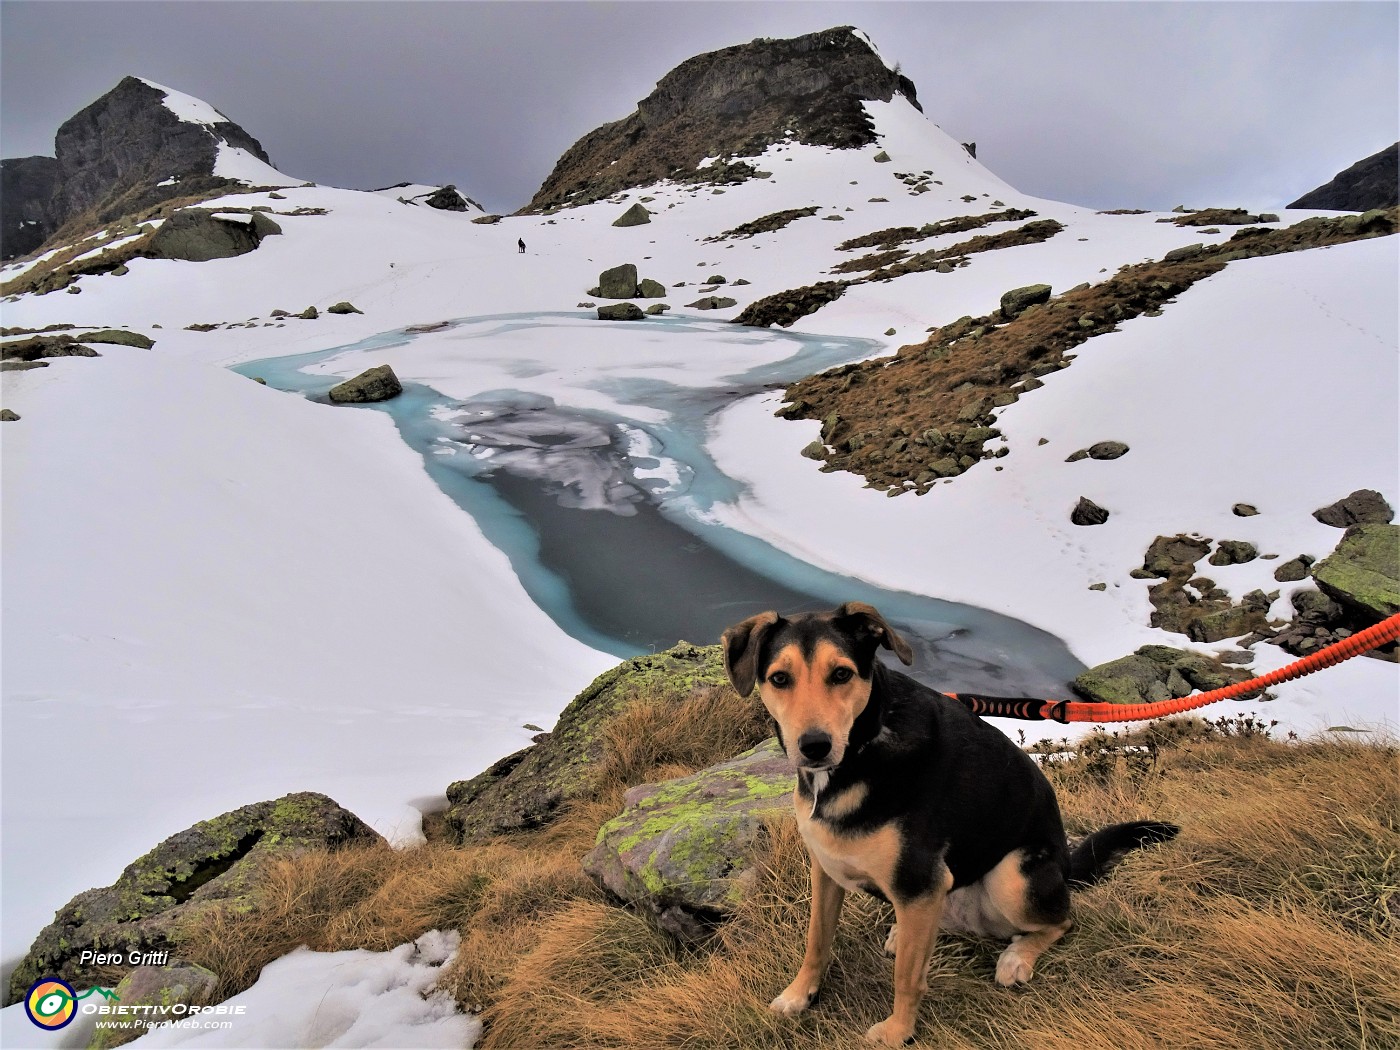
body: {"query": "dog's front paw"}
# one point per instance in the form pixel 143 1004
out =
pixel 795 998
pixel 890 1032
pixel 1013 969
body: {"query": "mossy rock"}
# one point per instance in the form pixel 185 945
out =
pixel 154 994
pixel 343 308
pixel 212 865
pixel 1152 674
pixel 636 215
pixel 115 335
pixel 620 312
pixel 1019 300
pixel 685 850
pixel 649 289
pixel 373 384
pixel 524 790
pixel 1363 573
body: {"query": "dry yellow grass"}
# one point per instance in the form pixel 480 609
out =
pixel 1270 922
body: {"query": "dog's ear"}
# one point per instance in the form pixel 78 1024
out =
pixel 741 645
pixel 866 623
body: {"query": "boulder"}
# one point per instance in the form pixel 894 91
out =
pixel 526 789
pixel 152 994
pixel 1362 507
pixel 656 309
pixel 343 308
pixel 8 416
pixel 649 289
pixel 1018 300
pixel 620 282
pixel 115 335
pixel 1299 568
pixel 212 865
pixel 446 199
pixel 636 215
pixel 373 384
pixel 1087 512
pixel 1174 555
pixel 620 312
pixel 198 235
pixel 1107 450
pixel 1363 573
pixel 309 314
pixel 1234 552
pixel 712 302
pixel 1152 674
pixel 685 850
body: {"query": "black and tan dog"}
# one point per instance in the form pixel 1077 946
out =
pixel 903 793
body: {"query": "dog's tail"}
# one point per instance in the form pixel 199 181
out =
pixel 1097 854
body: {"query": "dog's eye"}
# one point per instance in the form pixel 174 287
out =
pixel 842 675
pixel 780 679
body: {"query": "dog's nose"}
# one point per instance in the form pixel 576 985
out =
pixel 814 745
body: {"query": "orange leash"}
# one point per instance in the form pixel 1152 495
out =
pixel 1066 711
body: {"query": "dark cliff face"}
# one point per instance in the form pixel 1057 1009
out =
pixel 1370 183
pixel 738 100
pixel 27 186
pixel 111 159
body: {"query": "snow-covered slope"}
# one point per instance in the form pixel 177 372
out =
pixel 214 593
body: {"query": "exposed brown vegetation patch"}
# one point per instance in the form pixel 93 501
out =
pixel 783 308
pixel 1271 921
pixel 764 224
pixel 925 414
pixel 1031 233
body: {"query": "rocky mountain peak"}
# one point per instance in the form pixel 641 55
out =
pixel 136 146
pixel 735 101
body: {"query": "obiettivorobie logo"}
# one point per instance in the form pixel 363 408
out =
pixel 51 1003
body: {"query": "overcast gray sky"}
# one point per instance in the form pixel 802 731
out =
pixel 1105 104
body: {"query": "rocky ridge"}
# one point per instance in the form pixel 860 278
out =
pixel 1370 183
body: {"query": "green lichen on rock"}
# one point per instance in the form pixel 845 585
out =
pixel 525 789
pixel 1152 674
pixel 213 864
pixel 151 994
pixel 1363 573
pixel 685 850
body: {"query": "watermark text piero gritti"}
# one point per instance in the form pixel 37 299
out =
pixel 131 958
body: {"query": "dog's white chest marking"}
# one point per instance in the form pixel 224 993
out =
pixel 854 862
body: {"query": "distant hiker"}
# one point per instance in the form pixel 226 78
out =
pixel 521 242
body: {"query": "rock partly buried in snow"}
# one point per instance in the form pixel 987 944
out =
pixel 1234 552
pixel 446 199
pixel 213 864
pixel 373 384
pixel 636 215
pixel 198 235
pixel 123 338
pixel 656 309
pixel 1299 568
pixel 1362 507
pixel 649 289
pixel 1018 300
pixel 1087 512
pixel 712 302
pixel 1152 674
pixel 343 308
pixel 684 850
pixel 1363 573
pixel 525 790
pixel 620 282
pixel 620 312
pixel 8 416
pixel 1174 555
pixel 154 994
